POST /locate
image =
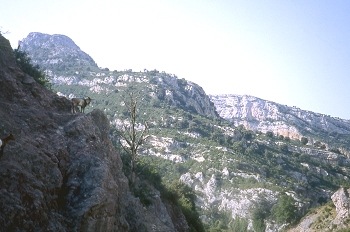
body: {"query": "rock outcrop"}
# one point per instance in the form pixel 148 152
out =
pixel 62 173
pixel 182 93
pixel 341 200
pixel 330 217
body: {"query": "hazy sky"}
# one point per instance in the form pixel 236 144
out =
pixel 294 52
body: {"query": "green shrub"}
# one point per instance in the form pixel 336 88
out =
pixel 304 140
pixel 344 230
pixel 260 212
pixel 185 198
pixel 144 193
pixel 177 192
pixel 285 210
pixel 240 225
pixel 269 134
pixel 24 62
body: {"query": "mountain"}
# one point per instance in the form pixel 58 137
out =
pixel 62 172
pixel 247 160
pixel 57 51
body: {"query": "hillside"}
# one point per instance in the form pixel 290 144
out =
pixel 240 155
pixel 62 172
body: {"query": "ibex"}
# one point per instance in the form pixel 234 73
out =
pixel 4 141
pixel 82 102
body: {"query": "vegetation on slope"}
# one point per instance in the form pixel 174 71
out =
pixel 237 149
pixel 184 142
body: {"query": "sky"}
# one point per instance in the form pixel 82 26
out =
pixel 295 52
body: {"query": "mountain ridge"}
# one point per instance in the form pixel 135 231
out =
pixel 258 114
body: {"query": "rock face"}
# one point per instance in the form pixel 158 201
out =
pixel 54 50
pixel 329 218
pixel 62 173
pixel 262 115
pixel 234 200
pixel 182 93
pixel 341 200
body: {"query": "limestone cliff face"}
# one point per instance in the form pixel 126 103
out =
pixel 180 92
pixel 341 201
pixel 262 115
pixel 62 173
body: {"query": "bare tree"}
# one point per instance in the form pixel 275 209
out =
pixel 132 134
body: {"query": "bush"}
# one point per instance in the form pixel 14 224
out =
pixel 260 212
pixel 24 62
pixel 335 150
pixel 283 148
pixel 269 134
pixel 185 198
pixel 304 140
pixel 240 225
pixel 144 193
pixel 285 210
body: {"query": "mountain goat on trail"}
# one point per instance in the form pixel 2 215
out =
pixel 82 102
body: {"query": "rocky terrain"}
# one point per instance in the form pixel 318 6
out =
pixel 333 216
pixel 62 173
pixel 220 145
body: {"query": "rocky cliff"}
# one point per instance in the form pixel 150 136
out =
pixel 263 115
pixel 182 93
pixel 62 173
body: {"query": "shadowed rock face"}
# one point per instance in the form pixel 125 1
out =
pixel 61 173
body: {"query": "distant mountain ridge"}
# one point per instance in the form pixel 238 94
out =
pixel 258 114
pixel 67 65
pixel 54 52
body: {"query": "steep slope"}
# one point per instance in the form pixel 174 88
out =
pixel 233 170
pixel 62 173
